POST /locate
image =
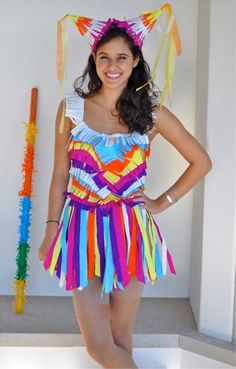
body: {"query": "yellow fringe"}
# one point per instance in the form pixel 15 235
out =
pixel 62 122
pixel 20 298
pixel 31 132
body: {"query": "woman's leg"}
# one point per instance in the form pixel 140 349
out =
pixel 123 310
pixel 93 317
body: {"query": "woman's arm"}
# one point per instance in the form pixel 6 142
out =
pixel 170 127
pixel 60 175
pixel 59 182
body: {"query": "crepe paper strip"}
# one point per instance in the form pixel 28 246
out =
pixel 61 48
pixel 156 246
pixel 91 244
pixel 62 45
pixel 125 215
pixel 66 217
pixel 76 259
pixel 109 269
pixel 97 257
pixel 171 37
pixel 169 258
pixel 83 249
pixel 133 247
pixel 25 207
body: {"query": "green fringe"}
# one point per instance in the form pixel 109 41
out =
pixel 21 261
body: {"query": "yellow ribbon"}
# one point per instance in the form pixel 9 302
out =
pixel 170 36
pixel 62 46
pixel 150 263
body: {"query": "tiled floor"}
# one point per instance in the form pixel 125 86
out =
pixel 45 314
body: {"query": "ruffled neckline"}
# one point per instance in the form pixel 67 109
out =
pixel 92 130
pixel 115 134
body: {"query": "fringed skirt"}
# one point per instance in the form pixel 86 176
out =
pixel 115 243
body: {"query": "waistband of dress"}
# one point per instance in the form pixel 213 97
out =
pixel 84 204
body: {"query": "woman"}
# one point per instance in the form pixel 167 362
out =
pixel 111 115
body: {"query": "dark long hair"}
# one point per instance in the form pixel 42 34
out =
pixel 134 107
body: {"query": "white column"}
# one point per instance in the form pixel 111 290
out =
pixel 217 291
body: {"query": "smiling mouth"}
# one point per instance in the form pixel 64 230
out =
pixel 113 76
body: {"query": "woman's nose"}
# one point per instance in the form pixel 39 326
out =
pixel 112 63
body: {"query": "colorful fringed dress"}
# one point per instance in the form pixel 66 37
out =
pixel 103 231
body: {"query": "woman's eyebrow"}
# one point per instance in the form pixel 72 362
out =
pixel 120 54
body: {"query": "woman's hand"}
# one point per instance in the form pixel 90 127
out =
pixel 149 204
pixel 44 248
pixel 47 241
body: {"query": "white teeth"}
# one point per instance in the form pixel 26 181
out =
pixel 115 75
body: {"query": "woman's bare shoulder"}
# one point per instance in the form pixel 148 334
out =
pixel 164 122
pixel 156 122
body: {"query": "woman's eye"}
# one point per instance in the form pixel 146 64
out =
pixel 119 58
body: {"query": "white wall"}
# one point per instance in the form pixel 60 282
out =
pixel 212 292
pixel 28 38
pixel 219 252
pixel 202 74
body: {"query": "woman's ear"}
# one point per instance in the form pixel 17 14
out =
pixel 136 61
pixel 94 56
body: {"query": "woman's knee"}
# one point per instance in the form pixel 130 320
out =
pixel 100 350
pixel 122 336
pixel 121 328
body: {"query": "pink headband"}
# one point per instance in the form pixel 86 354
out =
pixel 137 28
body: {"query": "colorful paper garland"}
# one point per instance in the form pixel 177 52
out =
pixel 25 207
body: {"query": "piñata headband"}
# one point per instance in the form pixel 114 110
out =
pixel 137 28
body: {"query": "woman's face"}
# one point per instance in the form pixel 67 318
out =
pixel 114 63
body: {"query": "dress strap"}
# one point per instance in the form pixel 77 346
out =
pixel 74 107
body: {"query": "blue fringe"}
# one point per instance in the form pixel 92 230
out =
pixel 25 206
